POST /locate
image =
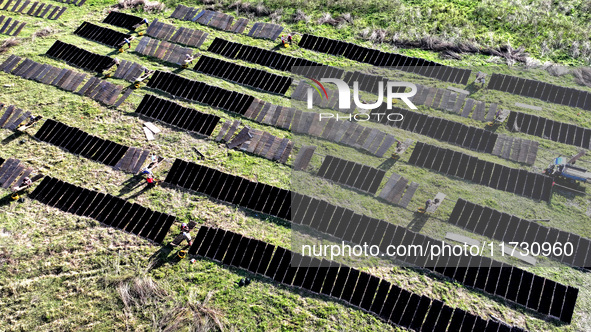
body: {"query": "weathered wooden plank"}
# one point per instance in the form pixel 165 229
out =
pixel 507 146
pixel 254 109
pixel 370 138
pixel 397 191
pixel 516 149
pixel 15 173
pixel 231 131
pixel 286 153
pixel 412 188
pixel 437 98
pixel 362 138
pixel 243 136
pixel 532 153
pixel 270 114
pixel 468 107
pixel 389 185
pixel 263 112
pixel 123 97
pixel 459 102
pixel 6 115
pixel 492 110
pixel 303 157
pixel 124 162
pixel 317 126
pixel 479 111
pixel 451 101
pixel 223 131
pixel 373 148
pixel 385 145
pixel 430 96
pixel 256 137
pixel 140 161
pixel 263 143
pixel 499 145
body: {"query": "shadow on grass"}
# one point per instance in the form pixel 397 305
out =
pixel 178 70
pixel 568 189
pixel 166 254
pixel 388 163
pixel 259 215
pixel 473 87
pixel 130 86
pixel 147 188
pixel 12 137
pixel 131 184
pixel 6 200
pixel 116 51
pixel 494 127
pixel 277 47
pixel 418 221
pixel 247 212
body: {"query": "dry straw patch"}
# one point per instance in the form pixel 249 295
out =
pixel 8 43
pixel 145 5
pixel 143 295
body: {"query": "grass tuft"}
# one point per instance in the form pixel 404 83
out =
pixel 252 9
pixel 339 21
pixel 140 291
pixel 56 269
pixel 583 76
pixel 276 16
pixel 144 296
pixel 8 43
pixel 45 32
pixel 557 70
pixel 299 16
pixel 548 31
pixel 144 5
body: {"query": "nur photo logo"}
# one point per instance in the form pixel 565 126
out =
pixel 344 93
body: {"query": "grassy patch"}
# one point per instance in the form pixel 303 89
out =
pixel 62 272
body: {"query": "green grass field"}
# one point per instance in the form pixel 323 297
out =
pixel 61 272
pixel 548 30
